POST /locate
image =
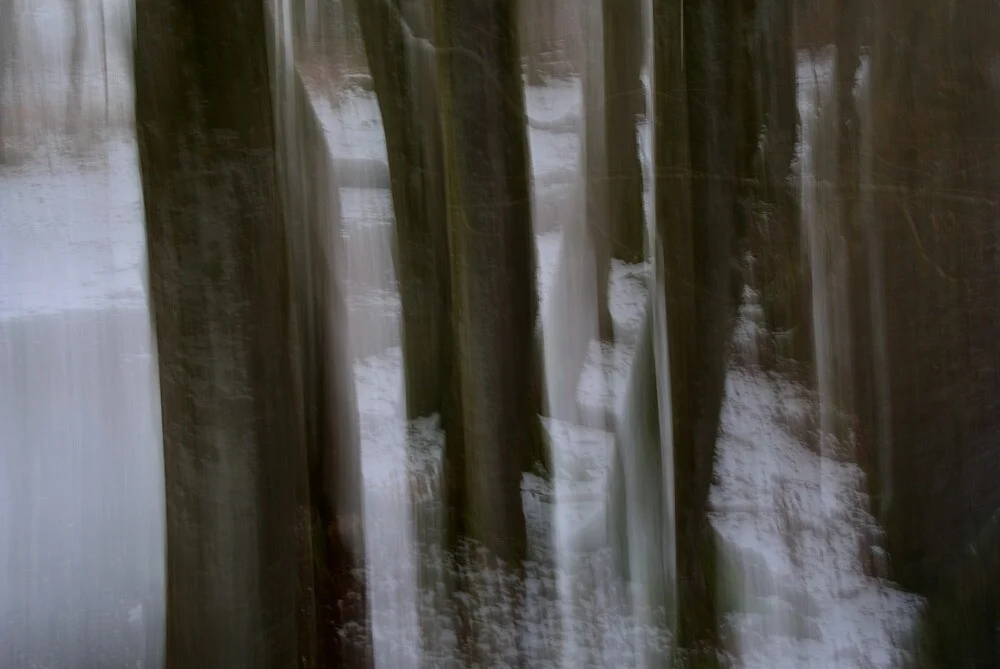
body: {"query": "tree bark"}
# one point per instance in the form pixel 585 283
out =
pixel 637 494
pixel 594 161
pixel 403 70
pixel 241 502
pixel 780 271
pixel 403 64
pixel 865 336
pixel 624 97
pixel 701 155
pixel 936 177
pixel 494 299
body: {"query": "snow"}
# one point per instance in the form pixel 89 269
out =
pixel 72 235
pixel 795 537
pixel 790 521
pixel 549 246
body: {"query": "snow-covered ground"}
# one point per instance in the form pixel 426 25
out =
pixel 79 411
pixel 792 548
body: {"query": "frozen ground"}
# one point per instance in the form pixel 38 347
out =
pixel 794 526
pixel 79 444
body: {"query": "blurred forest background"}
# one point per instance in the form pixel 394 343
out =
pixel 468 333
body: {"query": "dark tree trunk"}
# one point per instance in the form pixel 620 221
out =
pixel 403 64
pixel 494 299
pixel 78 56
pixel 403 70
pixel 623 99
pixel 243 589
pixel 694 623
pixel 702 153
pixel 936 178
pixel 865 337
pixel 780 271
pixel 595 163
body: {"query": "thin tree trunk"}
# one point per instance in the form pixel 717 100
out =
pixel 775 238
pixel 623 97
pixel 596 207
pixel 692 578
pixel 701 153
pixel 494 300
pixel 863 407
pixel 637 494
pixel 330 496
pixel 403 70
pixel 78 56
pixel 855 397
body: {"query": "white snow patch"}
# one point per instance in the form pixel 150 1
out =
pixel 549 246
pixel 354 124
pixel 554 100
pixel 73 236
pixel 793 541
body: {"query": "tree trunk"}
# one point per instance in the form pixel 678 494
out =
pixel 332 494
pixel 78 58
pixel 701 155
pixel 240 526
pixel 403 64
pixel 865 338
pixel 780 274
pixel 494 299
pixel 936 142
pixel 596 207
pixel 403 71
pixel 623 99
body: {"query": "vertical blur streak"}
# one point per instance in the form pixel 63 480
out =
pixel 331 474
pixel 658 303
pixel 826 248
pixel 874 242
